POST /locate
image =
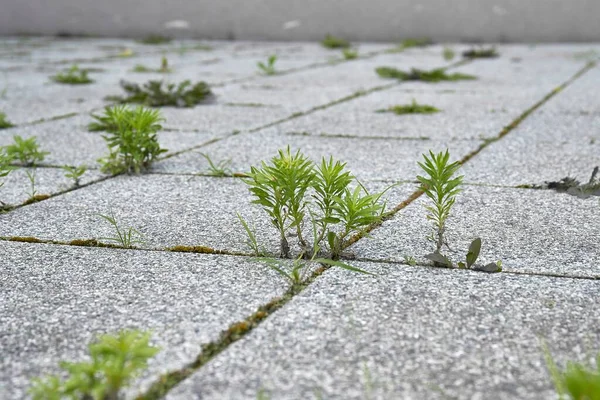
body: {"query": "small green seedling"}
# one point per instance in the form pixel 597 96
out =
pixel 481 52
pixel 115 360
pixel 433 76
pixel 448 54
pixel 75 173
pixel 410 260
pixel 155 39
pixel 164 68
pixel 126 53
pixel 350 54
pixel 160 94
pixel 413 108
pixel 5 167
pixel 72 76
pixel 269 67
pixel 126 238
pixel 31 177
pixel 4 123
pixel 220 168
pixel 252 242
pixel 131 139
pixel 295 274
pixel 578 381
pixel 411 42
pixel 332 42
pixel 25 151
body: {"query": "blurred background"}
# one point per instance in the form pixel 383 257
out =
pixel 364 20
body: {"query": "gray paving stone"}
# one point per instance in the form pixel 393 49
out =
pixel 530 231
pixel 418 332
pixel 57 298
pixel 579 98
pixel 367 158
pixel 545 147
pixel 48 181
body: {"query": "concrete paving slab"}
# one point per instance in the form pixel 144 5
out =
pixel 57 298
pixel 409 333
pixel 367 158
pixel 546 147
pixel 579 98
pixel 174 210
pixel 530 231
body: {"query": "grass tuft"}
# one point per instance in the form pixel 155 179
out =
pixel 481 52
pixel 333 42
pixel 413 108
pixel 72 76
pixel 4 123
pixel 160 94
pixel 434 75
pixel 155 39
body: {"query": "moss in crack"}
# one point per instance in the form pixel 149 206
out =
pixel 481 52
pixel 434 75
pixel 36 198
pixel 25 239
pixel 155 39
pixel 92 243
pixel 413 108
pixel 195 249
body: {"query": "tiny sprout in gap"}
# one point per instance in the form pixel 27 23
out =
pixel 481 52
pixel 75 173
pixel 332 42
pixel 220 168
pixel 164 67
pixel 448 54
pixel 115 360
pixel 126 238
pixel 413 108
pixel 72 76
pixel 350 54
pixel 296 194
pixel 578 381
pixel 4 123
pixel 131 138
pixel 435 75
pixel 160 94
pixel 26 151
pixel 269 67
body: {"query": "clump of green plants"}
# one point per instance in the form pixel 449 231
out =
pixel 578 381
pixel 4 123
pixel 481 52
pixel 155 39
pixel 115 360
pixel 413 108
pixel 349 54
pixel 160 94
pixel 575 188
pixel 72 76
pixel 411 42
pixel 294 192
pixel 448 54
pixel 124 237
pixel 434 75
pixel 131 138
pixel 219 169
pixel 268 68
pixel 442 185
pixel 333 42
pixel 75 173
pixel 25 151
pixel 164 67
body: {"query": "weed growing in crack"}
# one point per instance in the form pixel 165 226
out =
pixel 115 361
pixel 413 108
pixel 72 76
pixel 4 123
pixel 155 39
pixel 575 188
pixel 126 238
pixel 481 52
pixel 5 167
pixel 131 138
pixel 219 169
pixel 349 54
pixel 164 68
pixel 434 75
pixel 160 94
pixel 577 381
pixel 75 173
pixel 292 190
pixel 448 54
pixel 332 42
pixel 410 260
pixel 26 151
pixel 31 177
pixel 411 42
pixel 268 68
pixel 252 242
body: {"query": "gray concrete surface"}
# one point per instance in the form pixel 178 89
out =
pixel 381 20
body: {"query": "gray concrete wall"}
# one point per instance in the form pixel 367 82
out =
pixel 368 20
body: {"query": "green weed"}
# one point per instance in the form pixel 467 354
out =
pixel 332 42
pixel 74 173
pixel 220 168
pixel 155 39
pixel 72 76
pixel 411 42
pixel 31 177
pixel 252 242
pixel 481 52
pixel 435 75
pixel 268 68
pixel 26 151
pixel 349 54
pixel 164 68
pixel 160 94
pixel 126 238
pixel 4 123
pixel 413 108
pixel 577 381
pixel 115 361
pixel 131 139
pixel 5 167
pixel 448 54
